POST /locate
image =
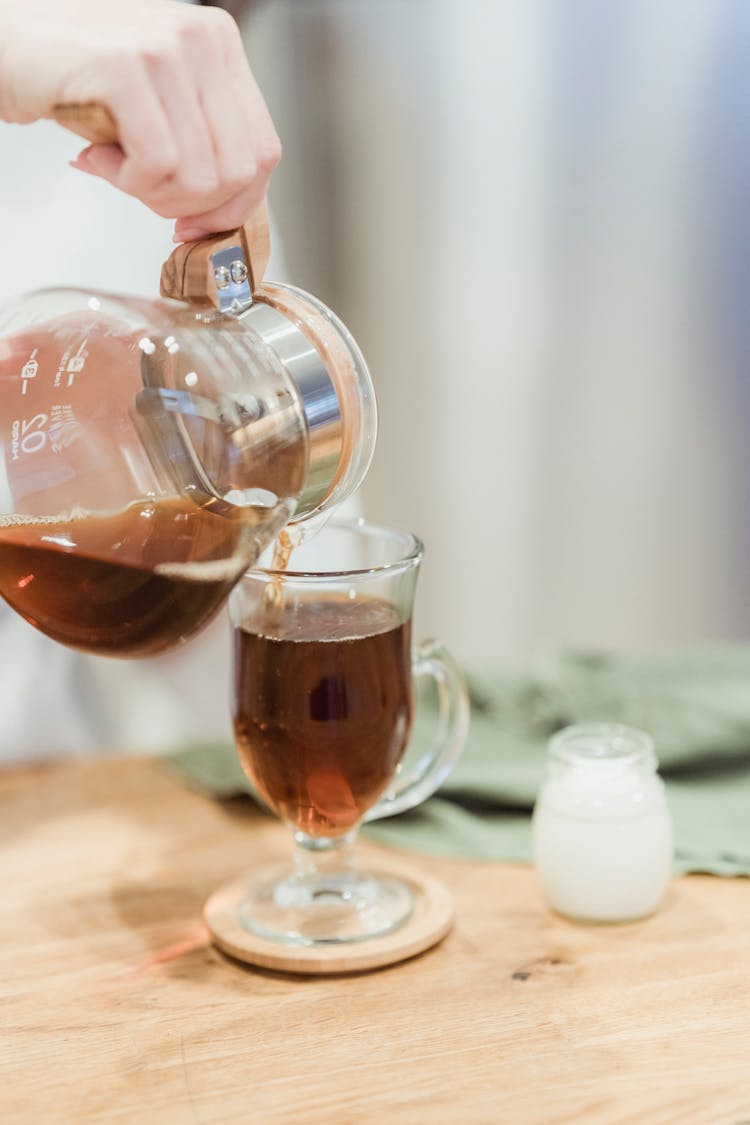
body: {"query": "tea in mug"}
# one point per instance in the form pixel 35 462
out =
pixel 323 707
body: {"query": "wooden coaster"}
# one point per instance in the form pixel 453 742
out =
pixel 430 922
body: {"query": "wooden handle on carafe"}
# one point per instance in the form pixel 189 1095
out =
pixel 89 120
pixel 188 273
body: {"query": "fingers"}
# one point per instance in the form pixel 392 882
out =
pixel 246 145
pixel 148 155
pixel 233 213
pixel 104 161
pixel 197 141
pixel 194 174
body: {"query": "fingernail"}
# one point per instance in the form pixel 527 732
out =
pixel 81 161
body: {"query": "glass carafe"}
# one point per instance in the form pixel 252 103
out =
pixel 150 450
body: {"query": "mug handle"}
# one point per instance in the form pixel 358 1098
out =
pixel 412 786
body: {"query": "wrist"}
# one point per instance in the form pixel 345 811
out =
pixel 30 57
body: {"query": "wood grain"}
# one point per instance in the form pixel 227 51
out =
pixel 188 273
pixel 89 120
pixel 431 920
pixel 115 1007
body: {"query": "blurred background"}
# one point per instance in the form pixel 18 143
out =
pixel 534 218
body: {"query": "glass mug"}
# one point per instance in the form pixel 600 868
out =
pixel 322 711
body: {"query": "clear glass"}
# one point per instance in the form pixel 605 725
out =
pixel 322 710
pixel 602 835
pixel 348 371
pixel 149 452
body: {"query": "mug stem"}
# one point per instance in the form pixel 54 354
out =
pixel 325 860
pixel 325 899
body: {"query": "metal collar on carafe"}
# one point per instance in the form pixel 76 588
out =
pixel 320 402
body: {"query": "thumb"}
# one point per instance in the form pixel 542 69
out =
pixel 104 161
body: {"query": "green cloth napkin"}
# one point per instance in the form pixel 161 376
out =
pixel 696 705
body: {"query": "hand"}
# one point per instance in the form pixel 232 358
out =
pixel 196 141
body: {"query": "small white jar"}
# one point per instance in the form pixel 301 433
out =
pixel 602 833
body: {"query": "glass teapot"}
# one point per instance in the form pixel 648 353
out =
pixel 152 449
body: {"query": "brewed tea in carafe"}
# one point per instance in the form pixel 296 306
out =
pixel 151 450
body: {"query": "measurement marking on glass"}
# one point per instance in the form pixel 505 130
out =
pixel 29 371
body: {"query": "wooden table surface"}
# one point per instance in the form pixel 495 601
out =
pixel 114 1007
